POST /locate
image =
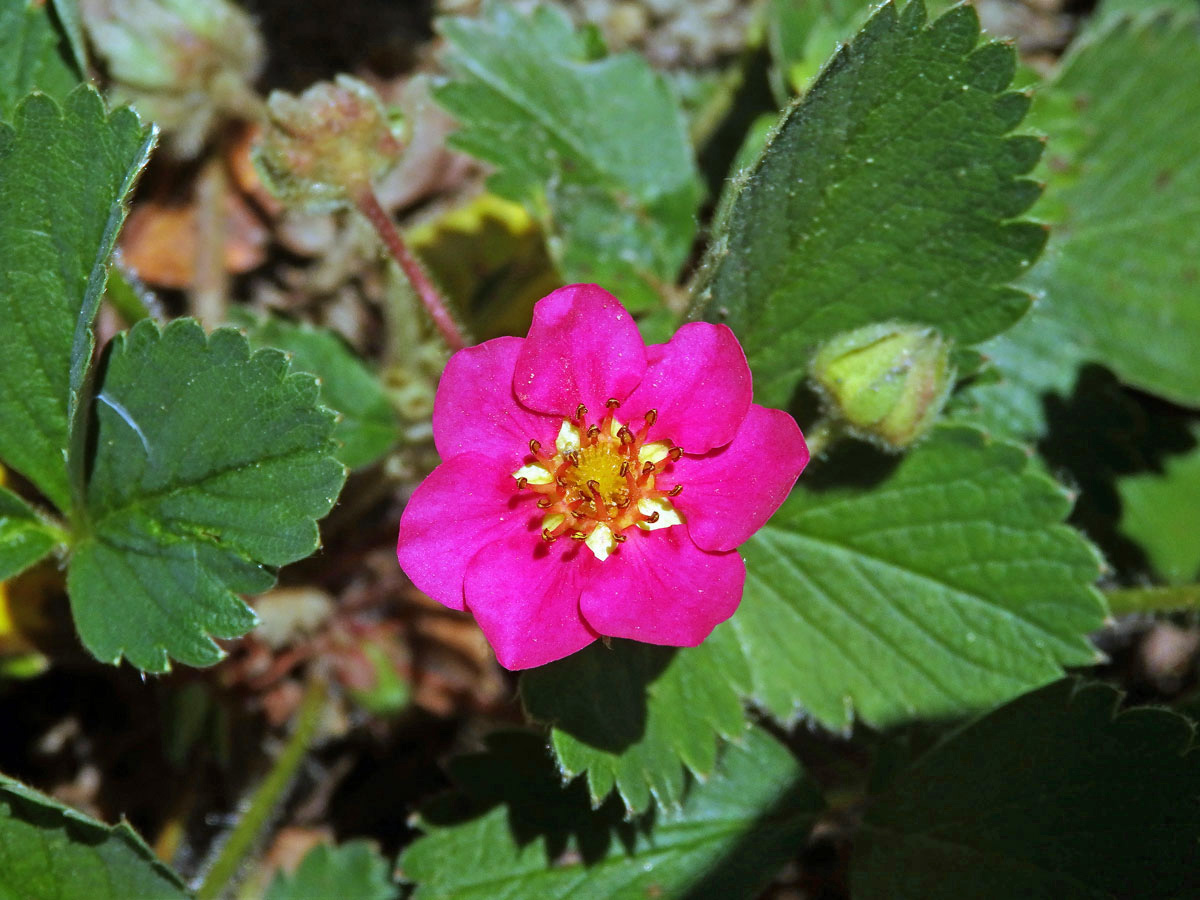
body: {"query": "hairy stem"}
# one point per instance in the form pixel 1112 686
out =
pixel 267 795
pixel 1153 599
pixel 368 204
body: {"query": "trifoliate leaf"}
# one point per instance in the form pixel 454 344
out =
pixel 352 870
pixel 34 55
pixel 537 839
pixel 887 192
pixel 50 850
pixel 1050 796
pixel 634 714
pixel 1161 511
pixel 64 175
pixel 949 586
pixel 210 464
pixel 367 428
pixel 1118 282
pixel 24 539
pixel 596 147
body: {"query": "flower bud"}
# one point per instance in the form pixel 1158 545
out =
pixel 182 63
pixel 886 382
pixel 322 146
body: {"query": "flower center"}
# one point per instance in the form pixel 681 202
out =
pixel 600 480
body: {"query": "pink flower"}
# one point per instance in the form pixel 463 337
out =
pixel 593 485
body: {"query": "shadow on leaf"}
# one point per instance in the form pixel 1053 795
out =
pixel 605 706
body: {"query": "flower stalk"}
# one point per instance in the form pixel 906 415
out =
pixel 367 202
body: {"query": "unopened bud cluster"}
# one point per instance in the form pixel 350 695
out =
pixel 324 145
pixel 182 63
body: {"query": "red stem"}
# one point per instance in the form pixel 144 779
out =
pixel 368 204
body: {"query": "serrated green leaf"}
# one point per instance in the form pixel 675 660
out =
pixel 24 539
pixel 634 714
pixel 48 850
pixel 352 870
pixel 1161 511
pixel 1053 795
pixel 34 56
pixel 210 464
pixel 1123 195
pixel 1118 282
pixel 733 832
pixel 949 586
pixel 64 176
pixel 888 192
pixel 367 428
pixel 596 147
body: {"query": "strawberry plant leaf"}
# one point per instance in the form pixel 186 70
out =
pixel 949 586
pixel 33 55
pixel 72 25
pixel 1123 195
pixel 50 850
pixel 353 869
pixel 1123 199
pixel 64 176
pixel 889 191
pixel 1053 795
pixel 634 715
pixel 596 146
pixel 24 539
pixel 211 464
pixel 367 427
pixel 515 822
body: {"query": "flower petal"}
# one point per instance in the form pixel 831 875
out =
pixel 525 595
pixel 729 493
pixel 583 347
pixel 660 588
pixel 464 504
pixel 700 384
pixel 475 410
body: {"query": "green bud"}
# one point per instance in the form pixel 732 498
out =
pixel 322 146
pixel 886 382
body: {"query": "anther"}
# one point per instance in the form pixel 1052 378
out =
pixel 612 402
pixel 573 457
pixel 580 411
pixel 624 467
pixel 675 453
pixel 647 467
pixel 547 536
pixel 652 518
pixel 593 431
pixel 534 447
pixel 652 417
pixel 578 536
pixel 545 503
pixel 625 434
pixel 675 491
pixel 623 503
pixel 522 483
pixel 620 538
